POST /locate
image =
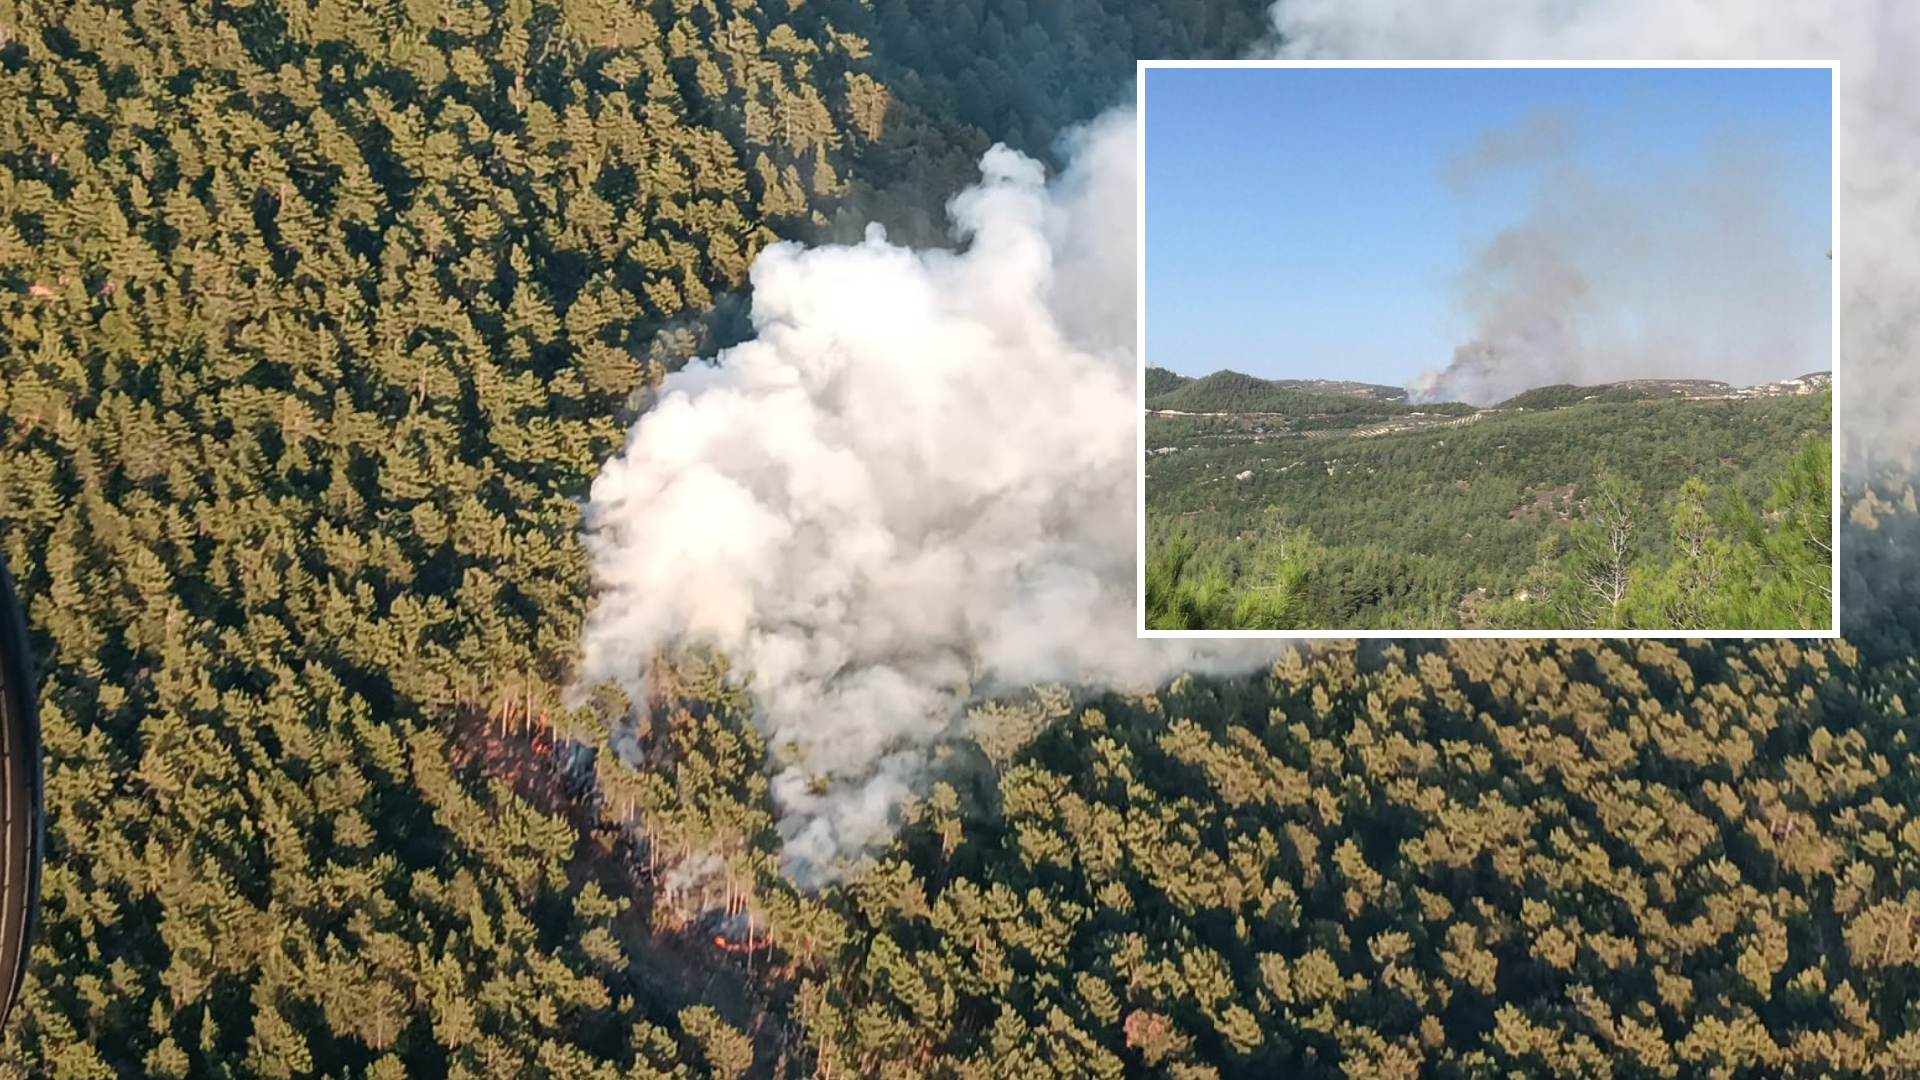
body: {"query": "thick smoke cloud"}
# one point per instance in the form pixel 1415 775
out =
pixel 1876 43
pixel 1676 270
pixel 914 486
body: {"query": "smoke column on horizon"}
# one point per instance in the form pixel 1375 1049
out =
pixel 1675 270
pixel 1874 42
pixel 914 486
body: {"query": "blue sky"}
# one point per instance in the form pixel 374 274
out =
pixel 1301 223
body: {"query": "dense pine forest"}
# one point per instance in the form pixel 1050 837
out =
pixel 316 317
pixel 1567 508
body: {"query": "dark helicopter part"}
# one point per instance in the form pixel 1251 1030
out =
pixel 22 811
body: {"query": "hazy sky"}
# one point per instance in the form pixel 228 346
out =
pixel 1314 223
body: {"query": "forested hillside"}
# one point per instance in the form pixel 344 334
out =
pixel 317 316
pixel 1161 381
pixel 1561 395
pixel 1230 391
pixel 1502 519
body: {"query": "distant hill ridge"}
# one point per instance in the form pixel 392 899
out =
pixel 1563 394
pixel 1234 392
pixel 1231 391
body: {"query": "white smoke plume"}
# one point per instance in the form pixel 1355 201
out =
pixel 1876 44
pixel 1677 270
pixel 913 486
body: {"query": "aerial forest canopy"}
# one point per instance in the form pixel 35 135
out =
pixel 317 317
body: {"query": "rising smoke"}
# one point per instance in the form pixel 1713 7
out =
pixel 1671 270
pixel 914 486
pixel 1874 42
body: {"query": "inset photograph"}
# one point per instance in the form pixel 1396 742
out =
pixel 1487 350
